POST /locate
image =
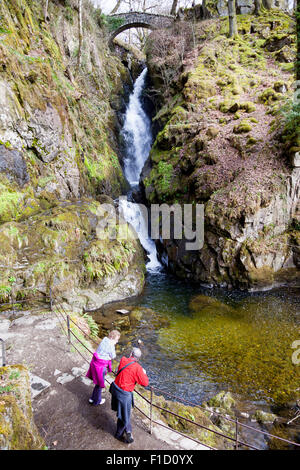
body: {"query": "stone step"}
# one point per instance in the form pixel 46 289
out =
pixel 37 385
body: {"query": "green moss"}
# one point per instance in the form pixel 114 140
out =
pixel 10 203
pixel 17 429
pixel 248 106
pixel 242 127
pixel 269 95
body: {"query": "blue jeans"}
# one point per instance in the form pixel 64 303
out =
pixel 121 428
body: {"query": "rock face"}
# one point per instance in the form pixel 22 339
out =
pixel 66 129
pixel 223 144
pixel 13 165
pixel 70 249
pixel 17 428
pixel 59 143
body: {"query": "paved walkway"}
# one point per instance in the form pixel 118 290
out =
pixel 60 392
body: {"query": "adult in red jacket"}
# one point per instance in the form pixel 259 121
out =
pixel 130 373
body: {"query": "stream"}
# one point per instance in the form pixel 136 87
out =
pixel 198 341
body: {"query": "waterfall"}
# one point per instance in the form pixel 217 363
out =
pixel 136 133
pixel 137 136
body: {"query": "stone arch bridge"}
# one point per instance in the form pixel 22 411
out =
pixel 134 19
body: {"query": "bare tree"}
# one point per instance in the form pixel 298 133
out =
pixel 174 7
pixel 257 7
pixel 46 16
pixel 116 8
pixel 233 29
pixel 167 53
pixel 267 4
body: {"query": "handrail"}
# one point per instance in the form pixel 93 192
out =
pixel 64 320
pixel 150 402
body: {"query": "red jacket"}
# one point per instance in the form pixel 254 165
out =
pixel 132 375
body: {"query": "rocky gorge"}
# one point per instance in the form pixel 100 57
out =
pixel 220 139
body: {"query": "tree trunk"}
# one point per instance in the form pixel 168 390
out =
pixel 114 10
pixel 80 34
pixel 174 7
pixel 267 4
pixel 233 30
pixel 257 5
pixel 46 17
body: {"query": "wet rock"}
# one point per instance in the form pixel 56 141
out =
pixel 201 301
pixel 136 315
pixel 13 165
pixel 275 43
pixel 223 401
pixel 263 417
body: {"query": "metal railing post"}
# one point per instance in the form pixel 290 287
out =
pixel 69 331
pixel 236 434
pixel 151 407
pixel 3 353
pixel 12 301
pixel 51 300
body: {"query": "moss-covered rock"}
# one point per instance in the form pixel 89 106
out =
pixel 242 127
pixel 263 417
pixel 17 428
pixel 234 174
pixel 72 248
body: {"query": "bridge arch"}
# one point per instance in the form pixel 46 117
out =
pixel 140 20
pixel 128 26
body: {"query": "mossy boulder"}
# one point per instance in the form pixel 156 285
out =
pixel 223 401
pixel 263 417
pixel 212 132
pixel 242 127
pixel 17 427
pixel 77 251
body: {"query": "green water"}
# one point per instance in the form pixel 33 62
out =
pixel 199 341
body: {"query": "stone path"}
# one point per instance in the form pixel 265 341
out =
pixel 60 391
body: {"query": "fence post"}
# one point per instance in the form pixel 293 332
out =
pixel 69 331
pixel 3 353
pixel 12 301
pixel 151 401
pixel 236 433
pixel 51 301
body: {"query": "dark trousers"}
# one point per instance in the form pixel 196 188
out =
pixel 121 428
pixel 97 392
pixel 96 395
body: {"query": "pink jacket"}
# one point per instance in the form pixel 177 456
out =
pixel 98 368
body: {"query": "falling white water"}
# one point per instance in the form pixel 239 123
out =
pixel 138 140
pixel 137 133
